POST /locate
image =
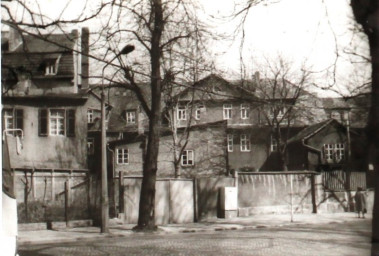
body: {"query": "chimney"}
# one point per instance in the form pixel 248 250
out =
pixel 84 52
pixel 15 38
pixel 75 54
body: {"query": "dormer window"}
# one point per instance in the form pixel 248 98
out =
pixel 51 68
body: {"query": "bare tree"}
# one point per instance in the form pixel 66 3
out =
pixel 281 87
pixel 156 28
pixel 366 13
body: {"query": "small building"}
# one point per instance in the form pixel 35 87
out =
pixel 43 80
pixel 200 151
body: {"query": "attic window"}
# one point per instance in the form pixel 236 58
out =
pixel 51 66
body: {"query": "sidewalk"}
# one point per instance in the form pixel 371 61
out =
pixel 210 225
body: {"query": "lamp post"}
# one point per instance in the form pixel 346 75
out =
pixel 104 174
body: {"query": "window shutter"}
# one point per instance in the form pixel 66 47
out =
pixel 19 119
pixel 70 122
pixel 42 122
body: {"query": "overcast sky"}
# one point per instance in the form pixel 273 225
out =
pixel 301 30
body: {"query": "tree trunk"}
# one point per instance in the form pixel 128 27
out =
pixel 366 13
pixel 146 217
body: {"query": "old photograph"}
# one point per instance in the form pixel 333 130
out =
pixel 190 127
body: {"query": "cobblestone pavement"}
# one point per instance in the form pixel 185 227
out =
pixel 326 239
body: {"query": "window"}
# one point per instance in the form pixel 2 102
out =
pixel 230 142
pixel 279 113
pixel 13 119
pixel 328 151
pixel 339 151
pixel 199 109
pixel 122 156
pixel 187 158
pixel 245 111
pixel 274 145
pixel 227 111
pixel 334 152
pixel 90 117
pixel 245 143
pixel 130 117
pixel 90 146
pixel 182 113
pixel 51 68
pixel 56 122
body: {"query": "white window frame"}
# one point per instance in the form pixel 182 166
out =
pixel 51 68
pixel 273 144
pixel 90 146
pixel 199 109
pixel 60 129
pixel 131 116
pixel 227 111
pixel 334 152
pixel 328 152
pixel 339 150
pixel 181 113
pixel 245 111
pixel 230 142
pixel 9 120
pixel 245 143
pixel 90 118
pixel 122 156
pixel 187 158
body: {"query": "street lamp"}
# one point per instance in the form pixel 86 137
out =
pixel 104 177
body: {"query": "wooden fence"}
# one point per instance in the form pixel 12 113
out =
pixel 340 180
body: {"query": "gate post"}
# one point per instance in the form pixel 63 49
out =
pixel 121 205
pixel 66 201
pixel 313 191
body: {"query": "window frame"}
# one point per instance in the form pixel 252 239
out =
pixel 131 116
pixel 339 150
pixel 51 68
pixel 62 119
pixel 90 149
pixel 124 153
pixel 245 113
pixel 199 109
pixel 190 159
pixel 181 113
pixel 9 116
pixel 90 116
pixel 227 111
pixel 230 140
pixel 245 143
pixel 274 144
pixel 334 152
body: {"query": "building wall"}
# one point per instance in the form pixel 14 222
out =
pixel 209 155
pixel 258 154
pixel 214 112
pixel 58 152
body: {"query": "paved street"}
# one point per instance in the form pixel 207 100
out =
pixel 352 238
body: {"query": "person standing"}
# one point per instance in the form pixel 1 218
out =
pixel 360 202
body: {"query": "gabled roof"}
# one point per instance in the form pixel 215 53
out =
pixel 311 130
pixel 214 87
pixel 34 54
pixel 50 43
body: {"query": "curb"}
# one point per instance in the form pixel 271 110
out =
pixel 173 230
